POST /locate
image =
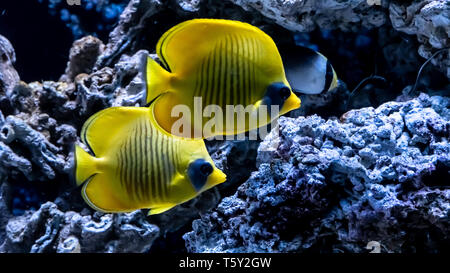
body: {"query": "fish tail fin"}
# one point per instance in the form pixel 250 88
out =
pixel 158 80
pixel 85 165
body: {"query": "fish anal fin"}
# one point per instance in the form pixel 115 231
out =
pixel 159 210
pixel 98 195
pixel 102 129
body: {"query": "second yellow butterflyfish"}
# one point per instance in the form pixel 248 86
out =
pixel 222 62
pixel 135 164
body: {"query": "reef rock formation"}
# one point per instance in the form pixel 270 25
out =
pixel 8 76
pixel 335 185
pixel 51 230
pixel 428 20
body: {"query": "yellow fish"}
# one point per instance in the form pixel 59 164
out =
pixel 223 62
pixel 138 165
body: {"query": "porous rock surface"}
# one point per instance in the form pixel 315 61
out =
pixel 428 20
pixel 335 185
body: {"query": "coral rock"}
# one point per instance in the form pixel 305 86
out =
pixel 333 186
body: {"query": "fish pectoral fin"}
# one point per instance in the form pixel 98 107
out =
pixel 159 210
pixel 97 194
pixel 101 130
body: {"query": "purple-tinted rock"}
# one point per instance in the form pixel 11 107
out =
pixel 340 196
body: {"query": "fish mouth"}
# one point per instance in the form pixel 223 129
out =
pixel 292 102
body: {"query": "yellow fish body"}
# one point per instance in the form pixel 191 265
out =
pixel 138 165
pixel 223 62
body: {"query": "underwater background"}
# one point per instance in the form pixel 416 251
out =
pixel 363 163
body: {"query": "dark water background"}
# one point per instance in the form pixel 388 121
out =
pixel 41 41
pixel 42 32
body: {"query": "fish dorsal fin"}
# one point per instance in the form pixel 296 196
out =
pixel 182 46
pixel 104 128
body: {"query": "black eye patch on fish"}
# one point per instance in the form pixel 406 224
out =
pixel 198 172
pixel 276 94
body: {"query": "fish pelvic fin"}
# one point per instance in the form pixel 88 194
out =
pixel 158 80
pixel 85 165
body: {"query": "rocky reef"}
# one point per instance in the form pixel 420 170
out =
pixel 327 179
pixel 335 185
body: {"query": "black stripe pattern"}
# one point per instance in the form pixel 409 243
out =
pixel 228 74
pixel 145 164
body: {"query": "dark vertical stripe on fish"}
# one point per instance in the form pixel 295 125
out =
pixel 230 74
pixel 130 166
pixel 166 168
pixel 134 162
pixel 123 165
pixel 156 161
pixel 141 160
pixel 207 92
pixel 213 77
pixel 236 71
pixel 244 71
pixel 220 88
pixel 172 166
pixel 224 78
pixel 200 74
pixel 250 69
pixel 254 83
pixel 145 161
pixel 240 60
pixel 152 161
pixel 247 71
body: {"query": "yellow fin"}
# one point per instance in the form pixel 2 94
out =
pixel 158 80
pixel 161 112
pixel 102 130
pixel 97 194
pixel 183 46
pixel 159 210
pixel 85 165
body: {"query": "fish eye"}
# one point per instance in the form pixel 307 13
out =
pixel 198 172
pixel 206 169
pixel 284 92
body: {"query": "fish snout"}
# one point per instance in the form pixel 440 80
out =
pixel 291 103
pixel 217 177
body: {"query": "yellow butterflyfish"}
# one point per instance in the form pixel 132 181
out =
pixel 135 164
pixel 222 62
